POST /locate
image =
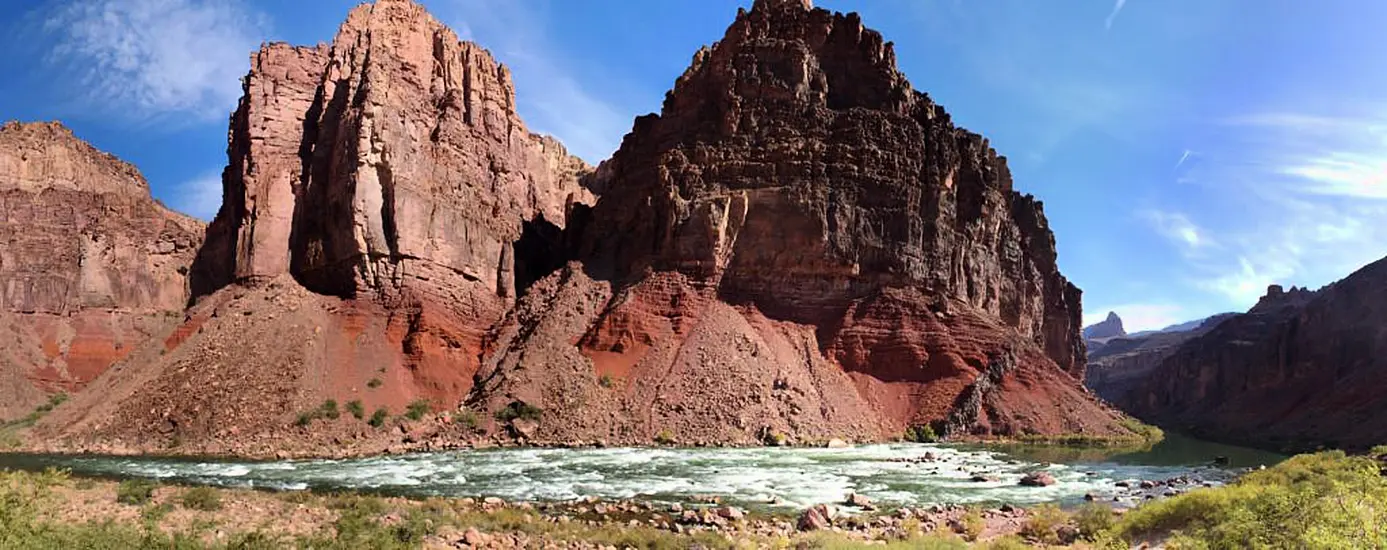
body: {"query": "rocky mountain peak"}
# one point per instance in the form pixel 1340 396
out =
pixel 1110 327
pixel 46 155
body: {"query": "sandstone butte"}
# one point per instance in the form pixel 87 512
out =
pixel 1298 371
pixel 90 264
pixel 798 247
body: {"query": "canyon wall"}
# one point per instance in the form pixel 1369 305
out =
pixel 1299 370
pixel 90 264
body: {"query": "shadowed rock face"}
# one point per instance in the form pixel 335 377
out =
pixel 1298 370
pixel 89 262
pixel 389 165
pixel 796 212
pixel 799 247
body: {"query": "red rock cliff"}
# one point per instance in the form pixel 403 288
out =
pixel 797 212
pixel 1299 370
pixel 89 262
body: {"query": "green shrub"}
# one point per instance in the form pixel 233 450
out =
pixel 1044 523
pixel 329 409
pixel 53 402
pixel 374 383
pixel 921 433
pixel 973 524
pixel 356 409
pixel 1094 519
pixel 305 418
pixel 606 381
pixel 378 418
pixel 205 499
pixel 417 409
pixel 519 409
pixel 135 491
pixel 1321 500
pixel 468 417
pixel 665 437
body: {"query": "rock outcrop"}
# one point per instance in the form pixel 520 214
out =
pixel 387 173
pixel 1298 370
pixel 90 264
pixel 1111 327
pixel 800 243
pixel 1118 365
pixel 799 248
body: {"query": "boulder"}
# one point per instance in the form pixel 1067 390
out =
pixel 1038 479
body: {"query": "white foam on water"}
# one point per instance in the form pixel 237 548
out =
pixel 789 477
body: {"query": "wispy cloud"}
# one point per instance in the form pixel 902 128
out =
pixel 1184 157
pixel 1139 317
pixel 1298 198
pixel 551 98
pixel 152 58
pixel 199 197
pixel 1112 17
pixel 1178 228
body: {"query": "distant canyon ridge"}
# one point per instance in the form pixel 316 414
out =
pixel 799 247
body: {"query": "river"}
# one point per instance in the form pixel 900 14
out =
pixel 769 478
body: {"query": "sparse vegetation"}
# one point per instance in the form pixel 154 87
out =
pixel 374 383
pixel 1093 519
pixel 467 417
pixel 358 411
pixel 921 433
pixel 378 418
pixel 418 409
pixel 1044 523
pixel 519 409
pixel 204 499
pixel 327 410
pixel 665 437
pixel 606 381
pixel 1321 500
pixel 136 492
pixel 973 524
pixel 10 431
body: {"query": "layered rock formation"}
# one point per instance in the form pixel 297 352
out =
pixel 1111 327
pixel 1298 370
pixel 801 243
pixel 90 264
pixel 799 247
pixel 389 174
pixel 1118 365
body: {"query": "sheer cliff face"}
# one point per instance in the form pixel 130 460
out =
pixel 794 168
pixel 1298 370
pixel 391 166
pixel 391 161
pixel 88 260
pixel 797 203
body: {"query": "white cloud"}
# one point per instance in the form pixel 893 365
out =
pixel 199 197
pixel 551 99
pixel 1178 228
pixel 1299 199
pixel 1112 17
pixel 153 58
pixel 1139 317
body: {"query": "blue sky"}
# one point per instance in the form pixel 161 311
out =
pixel 1189 152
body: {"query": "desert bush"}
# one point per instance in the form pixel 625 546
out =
pixel 1320 500
pixel 921 433
pixel 1044 523
pixel 135 491
pixel 205 499
pixel 1094 519
pixel 519 409
pixel 417 409
pixel 358 411
pixel 378 418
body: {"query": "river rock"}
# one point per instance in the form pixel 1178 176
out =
pixel 1038 479
pixel 836 443
pixel 859 500
pixel 817 517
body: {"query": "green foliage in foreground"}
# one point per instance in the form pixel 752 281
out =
pixel 135 492
pixel 519 409
pixel 1321 500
